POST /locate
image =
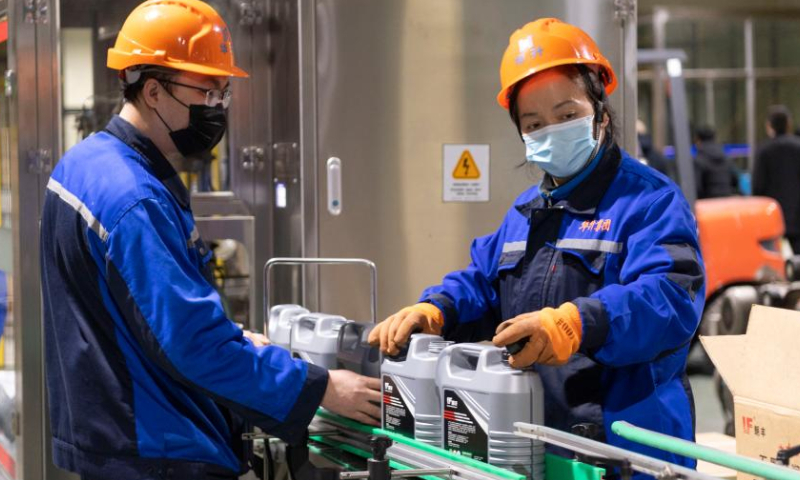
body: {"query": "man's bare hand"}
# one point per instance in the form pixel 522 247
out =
pixel 353 396
pixel 258 339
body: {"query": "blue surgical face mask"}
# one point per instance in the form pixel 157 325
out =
pixel 562 150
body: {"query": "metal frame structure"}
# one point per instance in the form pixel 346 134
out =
pixel 34 104
pixel 749 72
pixel 673 61
pixel 318 262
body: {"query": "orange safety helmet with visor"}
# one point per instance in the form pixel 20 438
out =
pixel 546 43
pixel 185 35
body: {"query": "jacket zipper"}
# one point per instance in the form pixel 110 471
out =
pixel 548 276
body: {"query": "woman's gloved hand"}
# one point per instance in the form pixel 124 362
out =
pixel 393 333
pixel 553 335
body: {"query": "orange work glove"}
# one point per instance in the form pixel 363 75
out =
pixel 393 332
pixel 553 335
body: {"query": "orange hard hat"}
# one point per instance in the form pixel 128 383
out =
pixel 548 43
pixel 186 35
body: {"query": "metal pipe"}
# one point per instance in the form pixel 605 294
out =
pixel 321 261
pixel 711 117
pixel 658 129
pixel 750 91
pixel 692 450
pixel 680 130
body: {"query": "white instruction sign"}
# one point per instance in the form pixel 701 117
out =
pixel 466 173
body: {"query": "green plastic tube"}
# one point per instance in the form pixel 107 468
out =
pixel 711 455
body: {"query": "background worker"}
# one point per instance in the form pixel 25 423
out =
pixel 146 377
pixel 597 269
pixel 715 173
pixel 777 170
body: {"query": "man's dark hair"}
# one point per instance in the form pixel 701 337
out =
pixel 132 89
pixel 705 133
pixel 779 117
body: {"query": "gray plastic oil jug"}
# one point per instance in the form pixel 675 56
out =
pixel 411 404
pixel 482 397
pixel 355 353
pixel 279 327
pixel 315 338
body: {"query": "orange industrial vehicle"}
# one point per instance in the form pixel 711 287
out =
pixel 740 238
pixel 741 241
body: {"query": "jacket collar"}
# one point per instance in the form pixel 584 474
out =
pixel 584 199
pixel 160 166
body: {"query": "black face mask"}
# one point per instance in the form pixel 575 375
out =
pixel 206 127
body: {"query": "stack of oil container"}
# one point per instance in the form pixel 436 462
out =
pixel 328 341
pixel 463 398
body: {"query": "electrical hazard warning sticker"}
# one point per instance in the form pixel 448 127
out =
pixel 466 169
pixel 463 433
pixel 466 173
pixel 398 415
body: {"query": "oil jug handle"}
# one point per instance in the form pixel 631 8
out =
pixel 461 350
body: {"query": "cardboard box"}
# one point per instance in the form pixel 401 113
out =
pixel 762 369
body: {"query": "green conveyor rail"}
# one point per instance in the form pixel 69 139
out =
pixel 557 468
pixel 348 467
pixel 560 468
pixel 699 452
pixel 361 453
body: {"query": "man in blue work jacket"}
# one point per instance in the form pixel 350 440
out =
pixel 594 275
pixel 146 377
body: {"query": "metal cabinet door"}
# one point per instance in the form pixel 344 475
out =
pixel 386 85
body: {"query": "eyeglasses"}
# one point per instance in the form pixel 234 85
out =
pixel 214 96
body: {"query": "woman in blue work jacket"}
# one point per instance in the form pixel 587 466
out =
pixel 596 272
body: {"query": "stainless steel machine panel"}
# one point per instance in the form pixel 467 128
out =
pixel 384 85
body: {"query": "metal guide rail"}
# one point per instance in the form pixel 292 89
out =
pixel 625 460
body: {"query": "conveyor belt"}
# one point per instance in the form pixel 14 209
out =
pixel 352 437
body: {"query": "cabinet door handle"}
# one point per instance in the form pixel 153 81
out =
pixel 334 186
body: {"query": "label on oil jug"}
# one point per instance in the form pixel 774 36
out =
pixel 397 417
pixel 463 433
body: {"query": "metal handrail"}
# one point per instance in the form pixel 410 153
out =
pixel 320 261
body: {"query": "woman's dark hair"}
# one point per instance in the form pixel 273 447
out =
pixel 132 80
pixel 594 89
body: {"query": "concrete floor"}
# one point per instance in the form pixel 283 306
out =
pixel 707 405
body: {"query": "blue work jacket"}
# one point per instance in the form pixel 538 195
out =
pixel 622 245
pixel 146 376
